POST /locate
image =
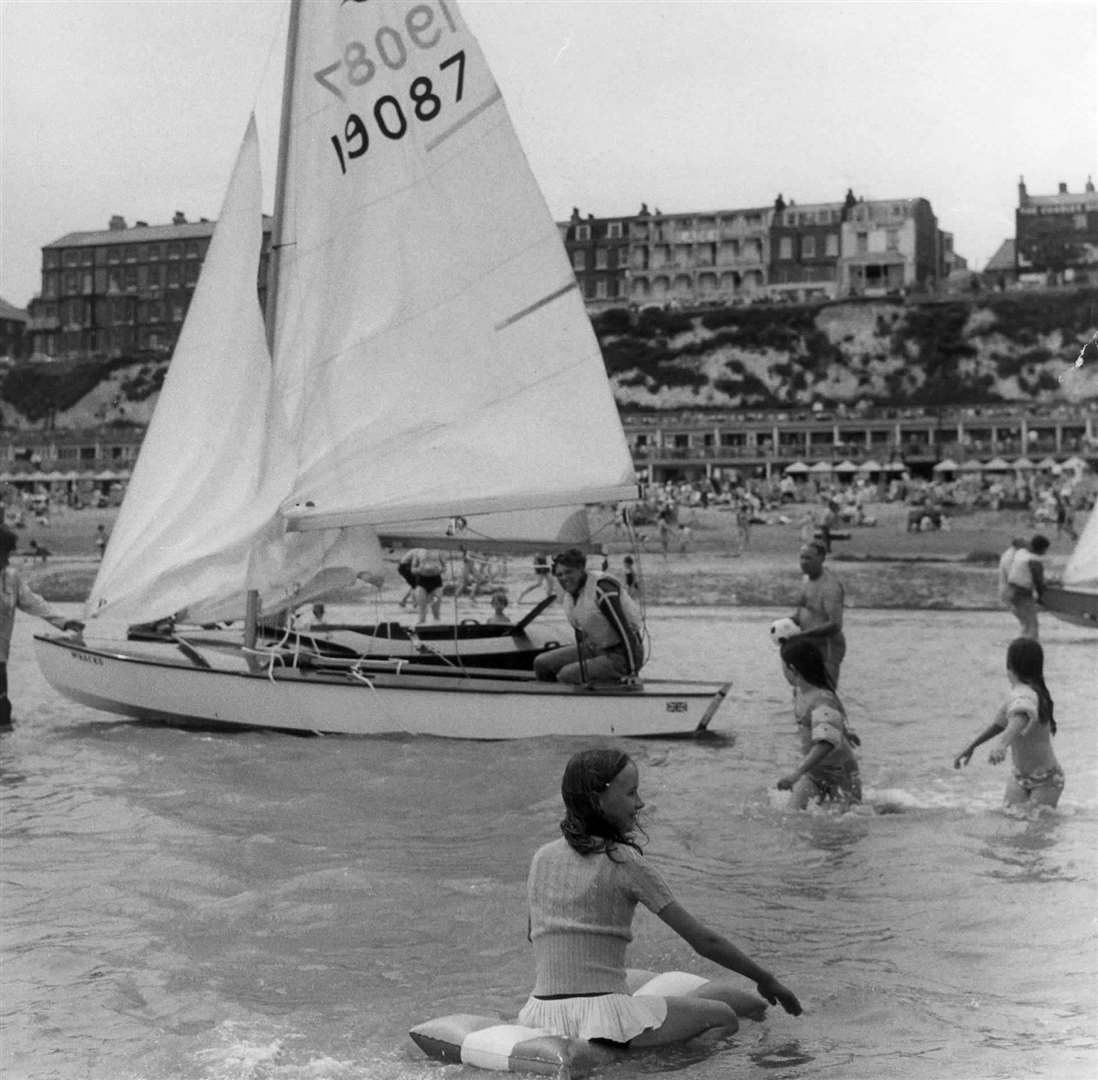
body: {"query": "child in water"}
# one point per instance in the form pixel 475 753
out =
pixel 499 609
pixel 829 770
pixel 583 890
pixel 1025 724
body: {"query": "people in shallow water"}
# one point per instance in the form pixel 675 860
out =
pixel 828 772
pixel 583 890
pixel 1025 724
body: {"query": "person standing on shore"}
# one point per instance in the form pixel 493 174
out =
pixel 1026 584
pixel 819 611
pixel 16 594
pixel 1005 560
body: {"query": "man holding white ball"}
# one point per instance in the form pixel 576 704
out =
pixel 819 615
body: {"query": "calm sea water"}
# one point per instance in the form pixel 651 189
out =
pixel 260 907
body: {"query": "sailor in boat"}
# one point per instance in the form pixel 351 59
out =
pixel 607 622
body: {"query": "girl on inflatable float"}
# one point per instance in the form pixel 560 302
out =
pixel 583 890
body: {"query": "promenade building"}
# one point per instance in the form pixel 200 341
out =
pixel 1056 236
pixel 123 290
pixel 764 443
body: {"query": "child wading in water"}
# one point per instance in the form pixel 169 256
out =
pixel 1025 724
pixel 829 770
pixel 583 891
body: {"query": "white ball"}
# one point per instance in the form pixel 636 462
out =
pixel 782 629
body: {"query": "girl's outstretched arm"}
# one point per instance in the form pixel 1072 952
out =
pixel 720 950
pixel 965 756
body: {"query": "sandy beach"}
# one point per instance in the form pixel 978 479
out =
pixel 881 566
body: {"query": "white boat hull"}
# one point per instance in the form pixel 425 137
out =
pixel 211 684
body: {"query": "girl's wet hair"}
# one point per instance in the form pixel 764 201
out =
pixel 807 660
pixel 586 776
pixel 1026 659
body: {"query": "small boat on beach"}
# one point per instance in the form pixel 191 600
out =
pixel 425 373
pixel 1074 599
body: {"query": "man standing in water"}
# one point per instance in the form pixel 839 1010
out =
pixel 820 609
pixel 1025 580
pixel 15 593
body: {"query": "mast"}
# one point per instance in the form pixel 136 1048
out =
pixel 277 234
pixel 251 614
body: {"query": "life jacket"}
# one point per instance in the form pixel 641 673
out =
pixel 584 613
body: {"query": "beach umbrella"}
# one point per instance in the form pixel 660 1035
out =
pixel 1047 464
pixel 896 466
pixel 821 467
pixel 972 465
pixel 997 464
pixel 847 466
pixel 946 465
pixel 796 467
pixel 1023 464
pixel 869 466
pixel 1076 464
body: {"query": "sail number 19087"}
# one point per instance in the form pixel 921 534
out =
pixel 423 29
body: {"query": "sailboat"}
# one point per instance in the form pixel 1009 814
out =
pixel 426 360
pixel 1074 598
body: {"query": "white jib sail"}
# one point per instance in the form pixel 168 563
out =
pixel 431 347
pixel 208 482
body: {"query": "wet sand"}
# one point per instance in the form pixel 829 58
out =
pixel 881 566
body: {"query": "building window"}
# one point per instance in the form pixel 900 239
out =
pixel 600 289
pixel 114 255
pixel 131 254
pixel 831 244
pixel 808 247
pixel 861 243
pixel 785 247
pixel 579 260
pixel 613 230
pixel 600 258
pixel 892 239
pixel 583 232
pixel 174 250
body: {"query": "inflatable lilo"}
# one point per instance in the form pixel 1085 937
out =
pixel 488 1043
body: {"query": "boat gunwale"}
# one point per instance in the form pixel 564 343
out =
pixel 442 680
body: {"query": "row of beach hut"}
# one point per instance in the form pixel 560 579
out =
pixel 947 466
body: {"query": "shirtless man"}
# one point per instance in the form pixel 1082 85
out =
pixel 820 610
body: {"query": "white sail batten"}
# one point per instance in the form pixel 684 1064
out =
pixel 204 485
pixel 431 349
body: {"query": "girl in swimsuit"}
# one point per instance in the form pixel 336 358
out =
pixel 828 772
pixel 1025 724
pixel 583 890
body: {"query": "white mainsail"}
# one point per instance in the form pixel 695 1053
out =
pixel 431 348
pixel 1082 568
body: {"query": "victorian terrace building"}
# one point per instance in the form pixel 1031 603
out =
pixel 121 291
